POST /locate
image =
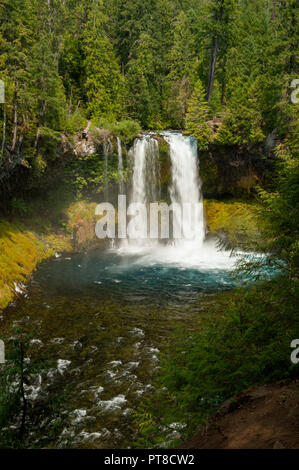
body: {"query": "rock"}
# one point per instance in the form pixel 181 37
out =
pixel 259 392
pixel 278 445
pixel 227 406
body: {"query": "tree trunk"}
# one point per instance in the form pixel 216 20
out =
pixel 21 138
pixel 70 107
pixel 218 17
pixel 37 138
pixel 223 85
pixel 212 68
pixel 15 120
pixel 4 129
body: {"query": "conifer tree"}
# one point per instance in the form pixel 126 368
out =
pixel 182 70
pixel 197 116
pixel 103 79
pixel 143 102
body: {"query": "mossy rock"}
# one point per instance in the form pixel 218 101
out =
pixel 236 220
pixel 209 174
pixel 20 252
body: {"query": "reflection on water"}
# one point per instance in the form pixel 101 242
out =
pixel 165 273
pixel 101 318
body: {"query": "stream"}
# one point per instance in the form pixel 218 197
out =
pixel 100 319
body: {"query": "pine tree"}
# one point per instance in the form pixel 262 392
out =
pixel 197 116
pixel 221 16
pixel 183 63
pixel 143 102
pixel 103 79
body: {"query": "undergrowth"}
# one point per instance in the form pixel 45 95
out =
pixel 243 340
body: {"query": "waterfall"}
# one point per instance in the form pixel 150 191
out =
pixel 120 167
pixel 107 150
pixel 146 174
pixel 185 188
pixel 144 157
pixel 184 191
pixel 191 249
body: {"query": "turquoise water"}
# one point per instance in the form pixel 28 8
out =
pixel 99 321
pixel 127 278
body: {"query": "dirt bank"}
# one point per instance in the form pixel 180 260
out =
pixel 264 417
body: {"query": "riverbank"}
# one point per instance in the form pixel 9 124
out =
pixel 263 417
pixel 27 241
pixel 241 340
pixel 21 250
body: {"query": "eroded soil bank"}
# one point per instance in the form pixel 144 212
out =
pixel 264 417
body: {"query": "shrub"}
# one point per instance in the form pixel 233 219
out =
pixel 242 340
pixel 127 130
pixel 75 122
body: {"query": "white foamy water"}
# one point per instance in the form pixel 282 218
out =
pixel 185 190
pixel 114 404
pixel 120 166
pixel 188 255
pixel 190 250
pixel 145 189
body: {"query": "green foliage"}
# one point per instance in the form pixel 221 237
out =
pixel 197 115
pixel 20 252
pixel 245 341
pixel 126 129
pixel 20 206
pixel 183 71
pixel 17 415
pixel 14 376
pixel 75 122
pixel 143 104
pixel 243 119
pixel 242 340
pixel 85 176
pixel 110 60
pixel 279 210
pixel 103 80
pixel 49 141
pixel 237 221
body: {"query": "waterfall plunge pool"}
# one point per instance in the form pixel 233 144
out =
pixel 100 319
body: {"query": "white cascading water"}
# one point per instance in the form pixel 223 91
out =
pixel 120 166
pixel 107 150
pixel 191 250
pixel 145 189
pixel 185 189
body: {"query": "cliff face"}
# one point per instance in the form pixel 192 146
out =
pixel 225 171
pixel 21 175
pixel 234 171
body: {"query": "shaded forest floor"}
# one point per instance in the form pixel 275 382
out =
pixel 265 417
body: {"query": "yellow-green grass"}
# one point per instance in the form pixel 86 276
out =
pixel 23 247
pixel 20 252
pixel 237 219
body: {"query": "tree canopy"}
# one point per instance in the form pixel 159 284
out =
pixel 66 60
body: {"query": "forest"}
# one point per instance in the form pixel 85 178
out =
pixel 86 86
pixel 165 64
